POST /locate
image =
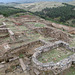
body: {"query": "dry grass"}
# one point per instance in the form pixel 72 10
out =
pixel 72 3
pixel 38 6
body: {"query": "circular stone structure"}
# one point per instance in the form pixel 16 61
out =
pixel 55 67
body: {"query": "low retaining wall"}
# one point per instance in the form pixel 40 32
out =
pixel 3 26
pixel 55 67
pixel 26 46
pixel 3 30
pixel 4 36
pixel 7 30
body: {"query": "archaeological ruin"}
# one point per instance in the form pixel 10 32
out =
pixel 30 45
pixel 57 67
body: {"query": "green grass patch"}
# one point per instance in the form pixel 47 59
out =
pixel 21 56
pixel 39 25
pixel 54 55
pixel 22 27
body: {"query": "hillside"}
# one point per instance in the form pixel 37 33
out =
pixel 8 11
pixel 72 3
pixel 64 14
pixel 38 6
pixel 9 4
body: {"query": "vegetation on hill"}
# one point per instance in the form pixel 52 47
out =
pixel 8 11
pixel 38 6
pixel 59 14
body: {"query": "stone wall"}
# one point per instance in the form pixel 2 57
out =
pixel 3 30
pixel 55 67
pixel 26 46
pixel 4 36
pixel 12 53
pixel 7 30
pixel 3 26
pixel 21 49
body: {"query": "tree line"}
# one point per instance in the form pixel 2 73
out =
pixel 8 11
pixel 60 14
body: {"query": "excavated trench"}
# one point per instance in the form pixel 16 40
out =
pixel 54 33
pixel 25 52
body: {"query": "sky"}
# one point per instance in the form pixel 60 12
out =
pixel 33 0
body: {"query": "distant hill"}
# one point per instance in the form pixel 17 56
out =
pixel 1 3
pixel 9 4
pixel 64 14
pixel 72 2
pixel 33 5
pixel 38 6
pixel 12 4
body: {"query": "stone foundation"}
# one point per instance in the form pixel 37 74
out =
pixel 55 67
pixel 3 29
